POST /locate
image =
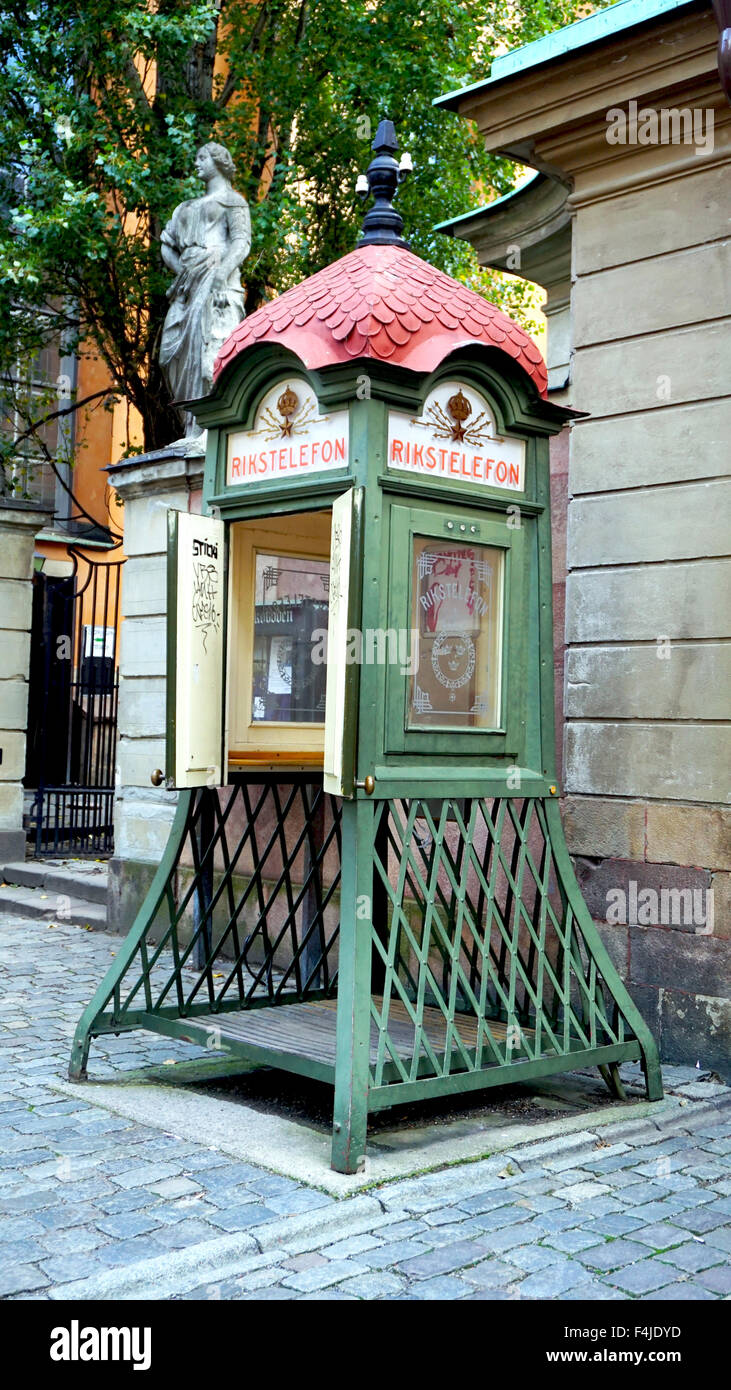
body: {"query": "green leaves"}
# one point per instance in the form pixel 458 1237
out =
pixel 104 103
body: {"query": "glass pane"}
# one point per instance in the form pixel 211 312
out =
pixel 290 606
pixel 456 609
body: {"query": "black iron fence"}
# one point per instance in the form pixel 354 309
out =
pixel 72 715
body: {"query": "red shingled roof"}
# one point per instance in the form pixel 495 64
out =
pixel 382 302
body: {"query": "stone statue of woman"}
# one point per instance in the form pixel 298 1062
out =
pixel 204 243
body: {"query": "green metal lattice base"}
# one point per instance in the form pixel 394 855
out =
pixel 396 950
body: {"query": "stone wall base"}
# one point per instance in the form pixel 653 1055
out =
pixel 12 847
pixel 128 883
pixel 666 927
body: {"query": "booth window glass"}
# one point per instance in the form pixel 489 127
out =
pixel 290 608
pixel 456 619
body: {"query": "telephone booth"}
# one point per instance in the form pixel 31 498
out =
pixel 367 880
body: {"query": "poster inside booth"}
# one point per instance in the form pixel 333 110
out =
pixel 196 570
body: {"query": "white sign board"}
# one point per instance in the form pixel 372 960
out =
pixel 195 649
pixel 456 440
pixel 290 438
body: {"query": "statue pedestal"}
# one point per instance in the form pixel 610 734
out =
pixel 148 485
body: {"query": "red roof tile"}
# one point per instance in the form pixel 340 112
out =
pixel 383 302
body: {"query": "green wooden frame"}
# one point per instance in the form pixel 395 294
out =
pixel 428 520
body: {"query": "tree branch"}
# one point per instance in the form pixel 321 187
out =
pixel 37 425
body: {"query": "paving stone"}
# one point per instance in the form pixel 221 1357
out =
pixel 277 1292
pixel 561 1219
pixel 303 1199
pixel 271 1185
pixel 660 1236
pixel 582 1192
pixel 595 1291
pixel 446 1235
pixel 533 1257
pixel 640 1278
pixel 124 1201
pixel 74 1241
pixel 392 1253
pixel 639 1194
pixel 444 1259
pixel 230 1197
pixel 21 1279
pixel 692 1257
pixel 319 1277
pixel 20 1228
pixel 128 1224
pixel 309 1260
pixel 175 1187
pixel 701 1220
pixel 720 1237
pixel 688 1292
pixel 491 1273
pixel 242 1218
pixel 23 1252
pixel 498 1241
pixel 570 1241
pixel 616 1224
pixel 492 1295
pixel 327 1296
pixel 487 1201
pixel 718 1279
pixel 146 1174
pixel 543 1204
pixel 354 1245
pixel 499 1219
pixel 444 1288
pixel 62 1269
pixel 654 1211
pixel 373 1285
pixel 183 1233
pixel 613 1254
pixel 399 1230
pixel 554 1280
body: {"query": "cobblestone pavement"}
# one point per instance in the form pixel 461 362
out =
pixel 94 1205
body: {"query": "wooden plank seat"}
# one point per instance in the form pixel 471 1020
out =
pixel 306 1032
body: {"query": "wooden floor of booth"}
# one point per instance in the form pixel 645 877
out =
pixel 308 1030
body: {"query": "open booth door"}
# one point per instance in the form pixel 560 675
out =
pixel 195 650
pixel 341 713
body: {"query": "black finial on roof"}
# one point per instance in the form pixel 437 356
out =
pixel 382 225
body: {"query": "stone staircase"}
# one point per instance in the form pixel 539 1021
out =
pixel 73 891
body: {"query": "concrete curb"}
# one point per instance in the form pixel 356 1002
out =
pixel 213 1261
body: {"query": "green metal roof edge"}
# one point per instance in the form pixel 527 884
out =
pixel 594 28
pixel 514 193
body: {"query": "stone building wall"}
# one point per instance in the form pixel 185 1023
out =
pixel 648 659
pixel 646 746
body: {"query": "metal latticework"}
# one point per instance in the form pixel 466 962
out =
pixel 244 916
pixel 481 961
pixel 420 947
